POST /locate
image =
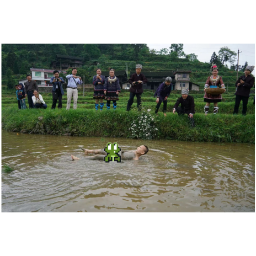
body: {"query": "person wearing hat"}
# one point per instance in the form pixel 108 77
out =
pixel 244 85
pixel 187 106
pixel 213 81
pixel 136 88
pixel 163 91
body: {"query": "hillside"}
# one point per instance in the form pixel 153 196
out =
pixel 17 59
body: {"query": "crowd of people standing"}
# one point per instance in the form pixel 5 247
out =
pixel 108 88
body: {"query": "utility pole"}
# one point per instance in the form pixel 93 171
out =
pixel 237 64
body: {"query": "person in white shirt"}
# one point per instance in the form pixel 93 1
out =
pixel 73 81
pixel 38 100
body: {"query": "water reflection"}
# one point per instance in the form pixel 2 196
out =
pixel 173 176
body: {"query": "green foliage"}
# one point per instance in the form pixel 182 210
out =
pixel 7 169
pixel 226 55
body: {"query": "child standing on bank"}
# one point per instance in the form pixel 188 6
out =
pixel 20 94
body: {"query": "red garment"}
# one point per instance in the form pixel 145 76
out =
pixel 218 82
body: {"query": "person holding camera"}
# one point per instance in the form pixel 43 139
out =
pixel 73 81
pixel 136 82
pixel 244 85
pixel 57 89
pixel 98 82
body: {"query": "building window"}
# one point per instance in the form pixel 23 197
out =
pixel 49 75
pixel 184 75
pixel 38 74
pixel 184 85
pixel 180 84
pixel 38 82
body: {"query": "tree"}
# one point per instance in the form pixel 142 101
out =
pixel 215 60
pixel 191 57
pixel 163 51
pixel 91 50
pixel 178 48
pixel 10 80
pixel 226 55
pixel 137 48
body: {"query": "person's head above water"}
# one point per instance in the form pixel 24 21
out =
pixel 142 150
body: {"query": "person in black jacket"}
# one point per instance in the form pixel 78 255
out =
pixel 187 106
pixel 244 85
pixel 137 80
pixel 57 89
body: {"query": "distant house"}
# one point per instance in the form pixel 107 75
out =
pixel 63 62
pixel 183 81
pixel 41 76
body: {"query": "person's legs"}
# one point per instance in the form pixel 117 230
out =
pixel 75 97
pixel 165 107
pixel 108 104
pixel 96 104
pixel 130 101
pixel 215 109
pixel 245 102
pixel 43 106
pixel 191 120
pixel 60 101
pixel 158 106
pixel 114 104
pixel 69 97
pixel 30 101
pixel 237 103
pixel 138 95
pixel 54 100
pixel 19 106
pixel 38 105
pixel 23 104
pixel 206 108
pixel 101 104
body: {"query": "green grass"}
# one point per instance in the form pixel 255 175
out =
pixel 88 122
pixel 7 169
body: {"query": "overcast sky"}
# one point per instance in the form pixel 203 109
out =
pixel 204 51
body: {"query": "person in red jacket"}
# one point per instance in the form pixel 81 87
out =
pixel 244 85
pixel 137 80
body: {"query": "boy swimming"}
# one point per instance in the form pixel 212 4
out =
pixel 125 155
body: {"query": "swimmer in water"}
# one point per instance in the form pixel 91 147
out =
pixel 125 155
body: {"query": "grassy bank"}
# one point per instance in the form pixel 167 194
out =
pixel 83 122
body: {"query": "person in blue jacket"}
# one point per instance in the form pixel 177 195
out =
pixel 162 93
pixel 57 89
pixel 20 94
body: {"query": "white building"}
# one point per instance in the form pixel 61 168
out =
pixel 41 76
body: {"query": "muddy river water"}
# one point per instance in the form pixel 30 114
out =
pixel 173 176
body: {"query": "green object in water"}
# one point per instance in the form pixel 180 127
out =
pixel 7 169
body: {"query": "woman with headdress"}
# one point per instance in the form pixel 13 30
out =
pixel 244 85
pixel 111 89
pixel 213 81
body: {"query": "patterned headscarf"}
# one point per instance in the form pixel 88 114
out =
pixel 251 68
pixel 184 91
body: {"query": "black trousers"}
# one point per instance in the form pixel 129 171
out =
pixel 55 97
pixel 159 104
pixel 238 100
pixel 19 104
pixel 181 111
pixel 130 101
pixel 30 101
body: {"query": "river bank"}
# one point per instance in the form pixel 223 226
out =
pixel 119 123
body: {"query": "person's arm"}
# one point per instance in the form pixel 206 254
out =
pixel 62 80
pixel 176 104
pixel 207 83
pixel 118 85
pixel 69 76
pixel 94 80
pixel 131 80
pixel 192 106
pixel 144 79
pixel 26 88
pixel 159 90
pixel 51 81
pixel 238 81
pixel 34 100
pixel 250 83
pixel 17 94
pixel 41 98
pixel 221 83
pixel 106 85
